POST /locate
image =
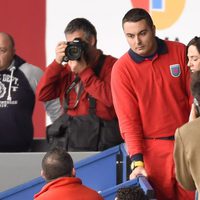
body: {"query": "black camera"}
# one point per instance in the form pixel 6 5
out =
pixel 75 49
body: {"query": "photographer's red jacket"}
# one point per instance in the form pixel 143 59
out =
pixel 57 79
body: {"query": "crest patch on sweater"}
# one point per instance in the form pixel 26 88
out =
pixel 175 70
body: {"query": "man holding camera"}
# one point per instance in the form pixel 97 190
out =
pixel 80 75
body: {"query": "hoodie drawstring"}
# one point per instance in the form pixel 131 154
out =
pixel 10 83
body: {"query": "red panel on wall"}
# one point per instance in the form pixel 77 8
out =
pixel 141 4
pixel 25 21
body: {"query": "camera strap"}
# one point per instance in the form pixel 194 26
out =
pixel 97 68
pixel 73 84
pixel 99 65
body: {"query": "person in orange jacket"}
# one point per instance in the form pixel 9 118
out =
pixel 58 170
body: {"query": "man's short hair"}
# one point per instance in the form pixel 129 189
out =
pixel 137 14
pixel 82 24
pixel 131 193
pixel 57 163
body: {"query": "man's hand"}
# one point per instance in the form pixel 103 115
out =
pixel 77 66
pixel 60 52
pixel 138 171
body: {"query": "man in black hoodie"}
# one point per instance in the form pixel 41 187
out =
pixel 18 81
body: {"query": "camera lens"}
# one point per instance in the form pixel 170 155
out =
pixel 74 52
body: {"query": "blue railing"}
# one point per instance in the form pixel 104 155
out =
pixel 104 172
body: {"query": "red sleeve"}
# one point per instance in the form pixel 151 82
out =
pixel 52 83
pixel 99 86
pixel 124 100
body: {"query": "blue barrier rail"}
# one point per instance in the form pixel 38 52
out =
pixel 23 191
pixel 100 172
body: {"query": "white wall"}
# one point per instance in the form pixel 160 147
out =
pixel 106 15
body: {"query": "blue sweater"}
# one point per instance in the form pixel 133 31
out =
pixel 17 99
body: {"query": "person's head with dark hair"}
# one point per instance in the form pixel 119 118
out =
pixel 57 163
pixel 58 170
pixel 139 30
pixel 193 54
pixel 137 14
pixel 84 26
pixel 131 193
pixel 83 32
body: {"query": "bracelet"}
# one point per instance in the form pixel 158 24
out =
pixel 135 164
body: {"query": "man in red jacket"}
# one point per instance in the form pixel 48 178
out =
pixel 59 172
pixel 150 87
pixel 80 72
